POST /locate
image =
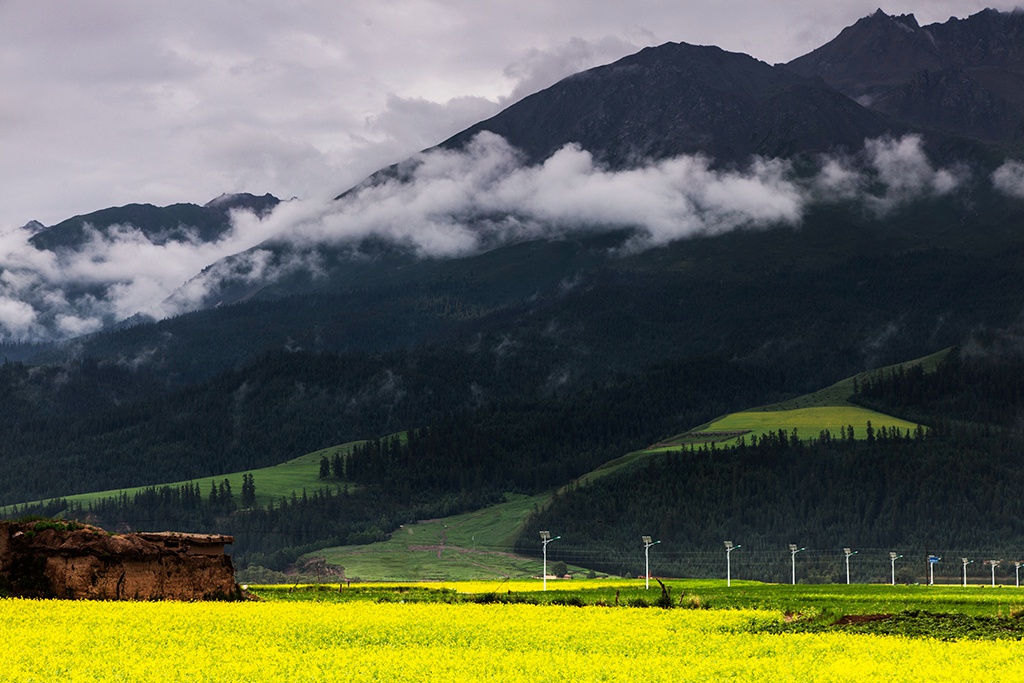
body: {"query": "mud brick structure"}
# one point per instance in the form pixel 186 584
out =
pixel 57 559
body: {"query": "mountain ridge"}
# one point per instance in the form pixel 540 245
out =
pixel 962 75
pixel 160 224
pixel 687 99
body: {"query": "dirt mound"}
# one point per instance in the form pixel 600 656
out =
pixel 57 559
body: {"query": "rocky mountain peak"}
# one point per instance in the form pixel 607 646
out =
pixel 962 76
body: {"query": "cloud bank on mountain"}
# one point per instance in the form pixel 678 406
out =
pixel 443 204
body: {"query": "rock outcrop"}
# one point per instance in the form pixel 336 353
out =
pixel 57 559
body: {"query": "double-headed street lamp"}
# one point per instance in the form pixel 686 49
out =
pixel 793 550
pixel 545 538
pixel 966 562
pixel 848 553
pixel 647 561
pixel 892 558
pixel 729 547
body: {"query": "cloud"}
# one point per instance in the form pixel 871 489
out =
pixel 538 68
pixel 114 275
pixel 905 173
pixel 449 203
pixel 439 204
pixel 1009 179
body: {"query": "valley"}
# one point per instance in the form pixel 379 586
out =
pixel 610 309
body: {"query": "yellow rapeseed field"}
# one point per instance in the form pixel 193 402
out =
pixel 49 641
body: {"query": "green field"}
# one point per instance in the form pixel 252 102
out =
pixel 834 600
pixel 827 409
pixel 809 423
pixel 272 483
pixel 948 612
pixel 472 546
pixel 478 545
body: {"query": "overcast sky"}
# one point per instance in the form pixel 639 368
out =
pixel 107 103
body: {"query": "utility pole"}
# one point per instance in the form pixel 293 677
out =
pixel 932 561
pixel 793 550
pixel 729 547
pixel 994 563
pixel 545 538
pixel 848 553
pixel 647 561
pixel 892 558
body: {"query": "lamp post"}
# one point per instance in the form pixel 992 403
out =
pixel 994 563
pixel 932 561
pixel 966 562
pixel 729 547
pixel 793 550
pixel 1016 567
pixel 647 561
pixel 545 538
pixel 848 553
pixel 892 558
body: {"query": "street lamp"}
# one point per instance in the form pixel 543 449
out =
pixel 966 562
pixel 932 561
pixel 793 550
pixel 647 561
pixel 848 553
pixel 994 563
pixel 1016 566
pixel 729 547
pixel 892 558
pixel 545 538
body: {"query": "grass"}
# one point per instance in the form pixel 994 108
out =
pixel 944 612
pixel 839 393
pixel 272 483
pixel 471 546
pixel 827 409
pixel 478 545
pixel 829 600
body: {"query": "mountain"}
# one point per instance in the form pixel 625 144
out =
pixel 684 99
pixel 178 222
pixel 731 234
pixel 662 102
pixel 964 76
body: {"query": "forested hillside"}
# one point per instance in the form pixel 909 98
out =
pixel 949 491
pixel 682 234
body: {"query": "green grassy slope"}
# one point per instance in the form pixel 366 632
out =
pixel 827 409
pixel 476 545
pixel 471 546
pixel 272 483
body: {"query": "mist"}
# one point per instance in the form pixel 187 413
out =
pixel 445 204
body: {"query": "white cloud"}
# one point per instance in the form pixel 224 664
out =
pixel 442 203
pixel 906 173
pixel 18 317
pixel 1009 179
pixel 110 103
pixel 112 276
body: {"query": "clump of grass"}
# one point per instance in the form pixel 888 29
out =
pixel 569 601
pixel 693 602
